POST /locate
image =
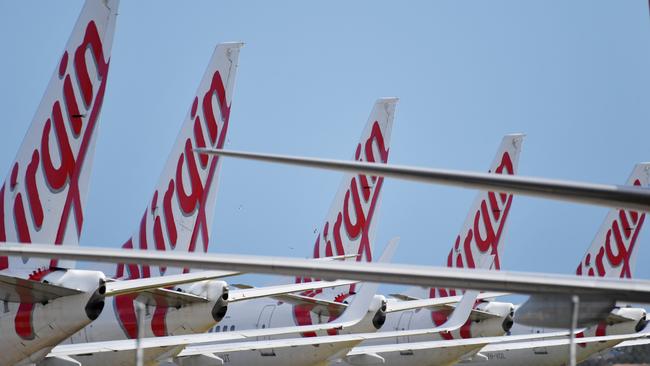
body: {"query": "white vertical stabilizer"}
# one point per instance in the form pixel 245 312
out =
pixel 480 239
pixel 43 196
pixel 179 215
pixel 612 253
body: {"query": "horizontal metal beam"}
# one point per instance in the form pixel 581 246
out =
pixel 627 197
pixel 516 282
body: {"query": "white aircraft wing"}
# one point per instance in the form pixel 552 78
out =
pixel 561 342
pixel 455 321
pixel 488 344
pixel 636 342
pixel 616 196
pixel 256 292
pixel 476 341
pixel 635 291
pixel 115 288
pixel 393 306
pixel 18 290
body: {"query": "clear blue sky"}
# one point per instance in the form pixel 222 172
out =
pixel 573 75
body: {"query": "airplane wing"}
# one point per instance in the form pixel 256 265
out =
pixel 490 344
pixel 632 343
pixel 256 292
pixel 439 302
pixel 561 342
pixel 116 288
pixel 599 194
pixel 636 291
pixel 455 321
pixel 467 342
pixel 315 305
pixel 18 290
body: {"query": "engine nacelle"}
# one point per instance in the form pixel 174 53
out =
pixel 213 290
pixel 637 321
pixel 374 319
pixel 499 323
pixel 83 280
pixel 199 317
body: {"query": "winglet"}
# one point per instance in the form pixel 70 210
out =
pixel 461 313
pixel 389 251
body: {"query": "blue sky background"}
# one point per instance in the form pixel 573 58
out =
pixel 572 75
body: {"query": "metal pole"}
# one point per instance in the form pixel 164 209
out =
pixel 139 359
pixel 575 300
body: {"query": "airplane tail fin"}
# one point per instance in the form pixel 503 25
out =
pixel 478 244
pixel 43 196
pixel 179 215
pixel 612 253
pixel 349 225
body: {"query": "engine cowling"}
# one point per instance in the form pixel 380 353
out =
pixel 499 322
pixel 637 321
pixel 213 290
pixel 83 280
pixel 199 317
